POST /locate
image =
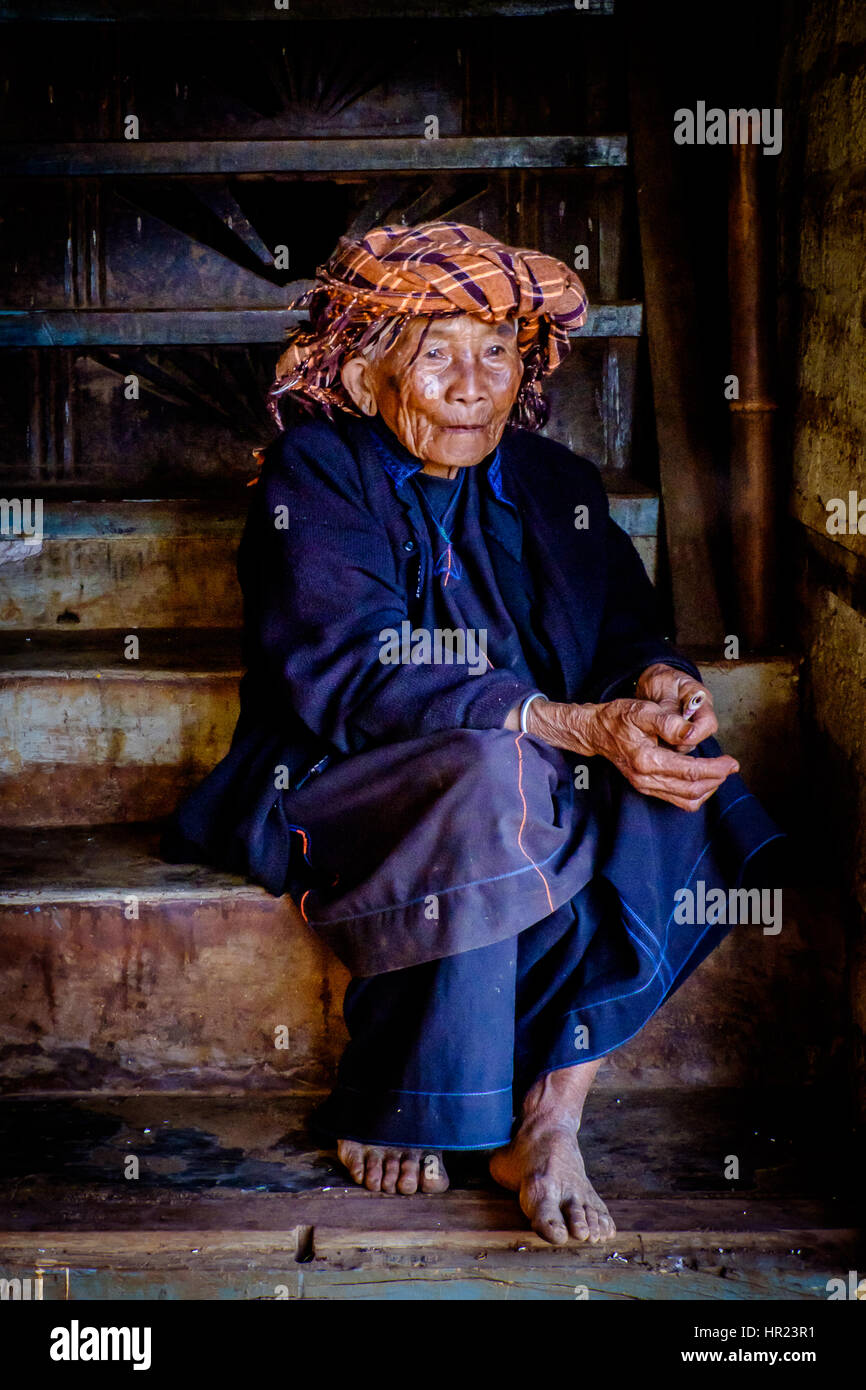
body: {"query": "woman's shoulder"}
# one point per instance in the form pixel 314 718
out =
pixel 324 471
pixel 315 438
pixel 548 462
pixel 317 457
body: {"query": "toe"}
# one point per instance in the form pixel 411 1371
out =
pixel 433 1175
pixel 546 1217
pixel 575 1214
pixel 606 1225
pixel 390 1172
pixel 373 1175
pixel 409 1175
pixel 550 1226
pixel 352 1158
pixel 592 1223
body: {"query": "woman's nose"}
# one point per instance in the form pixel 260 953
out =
pixel 466 387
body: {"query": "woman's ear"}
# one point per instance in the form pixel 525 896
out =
pixel 356 376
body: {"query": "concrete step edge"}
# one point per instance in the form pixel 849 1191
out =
pixel 120 859
pixel 120 519
pixel 164 653
pixel 200 654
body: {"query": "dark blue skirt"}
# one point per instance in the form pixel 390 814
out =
pixel 501 923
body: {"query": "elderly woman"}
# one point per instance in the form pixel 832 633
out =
pixel 463 747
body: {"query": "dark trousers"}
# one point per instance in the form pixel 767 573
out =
pixel 441 1054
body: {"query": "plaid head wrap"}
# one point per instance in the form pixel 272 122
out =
pixel 373 285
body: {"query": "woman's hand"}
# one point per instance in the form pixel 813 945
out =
pixel 639 736
pixel 671 690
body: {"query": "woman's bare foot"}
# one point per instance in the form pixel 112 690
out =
pixel 389 1168
pixel 544 1165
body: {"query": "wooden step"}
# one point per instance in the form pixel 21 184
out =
pixel 125 158
pixel 188 993
pixel 169 563
pixel 166 563
pixel 234 1198
pixel 87 736
pixel 343 1244
pixel 155 327
pixel 111 12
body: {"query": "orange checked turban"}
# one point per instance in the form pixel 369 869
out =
pixel 374 284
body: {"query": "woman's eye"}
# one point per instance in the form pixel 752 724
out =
pixel 496 347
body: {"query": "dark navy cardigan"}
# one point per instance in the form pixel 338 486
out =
pixel 335 550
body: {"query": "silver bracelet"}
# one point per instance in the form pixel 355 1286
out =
pixel 524 709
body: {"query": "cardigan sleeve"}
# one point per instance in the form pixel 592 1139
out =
pixel 326 588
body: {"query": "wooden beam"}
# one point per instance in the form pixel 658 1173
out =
pixel 754 509
pixel 62 1248
pixel 461 1222
pixel 620 374
pixel 341 155
pixel 84 11
pixel 49 1250
pixel 134 327
pixel 675 335
pixel 337 1244
pixel 169 327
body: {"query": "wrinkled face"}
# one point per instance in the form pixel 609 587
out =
pixel 445 388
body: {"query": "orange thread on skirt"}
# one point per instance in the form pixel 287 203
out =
pixel 523 822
